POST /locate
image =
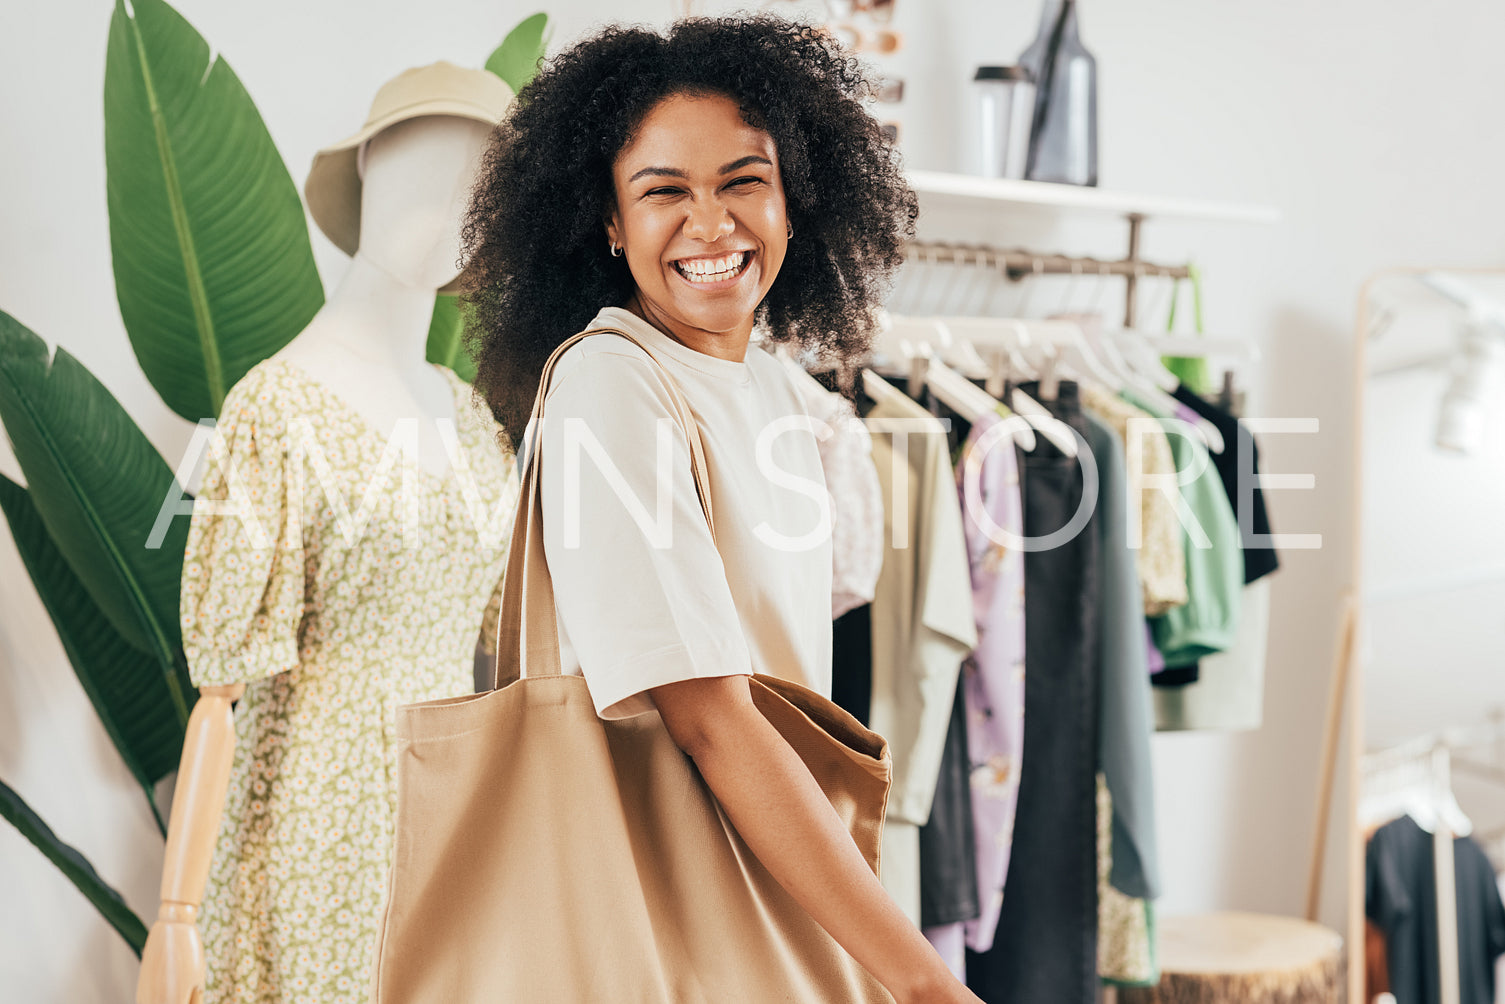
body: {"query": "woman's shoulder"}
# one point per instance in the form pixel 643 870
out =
pixel 597 350
pixel 606 369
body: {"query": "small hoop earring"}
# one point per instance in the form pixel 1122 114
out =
pixel 790 231
pixel 616 249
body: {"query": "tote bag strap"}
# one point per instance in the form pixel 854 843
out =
pixel 527 627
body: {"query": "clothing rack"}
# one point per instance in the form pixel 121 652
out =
pixel 1019 264
pixel 1436 750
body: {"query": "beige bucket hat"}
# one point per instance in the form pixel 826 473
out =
pixel 333 188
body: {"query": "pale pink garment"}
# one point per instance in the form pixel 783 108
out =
pixel 846 454
pixel 993 684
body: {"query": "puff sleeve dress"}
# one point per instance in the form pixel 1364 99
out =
pixel 337 579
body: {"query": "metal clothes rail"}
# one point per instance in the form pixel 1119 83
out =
pixel 1019 264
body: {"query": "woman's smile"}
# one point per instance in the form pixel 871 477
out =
pixel 713 274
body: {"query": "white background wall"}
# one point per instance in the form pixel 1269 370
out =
pixel 1370 125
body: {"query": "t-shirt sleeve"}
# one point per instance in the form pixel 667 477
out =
pixel 639 586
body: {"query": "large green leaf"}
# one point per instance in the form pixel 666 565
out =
pixel 213 267
pixel 98 486
pixel 106 900
pixel 446 344
pixel 124 684
pixel 517 58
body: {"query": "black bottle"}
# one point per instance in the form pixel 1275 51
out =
pixel 1033 58
pixel 1063 138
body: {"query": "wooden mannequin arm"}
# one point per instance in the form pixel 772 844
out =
pixel 172 964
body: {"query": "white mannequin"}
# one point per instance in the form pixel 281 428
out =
pixel 367 344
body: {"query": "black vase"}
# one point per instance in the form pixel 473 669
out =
pixel 1033 58
pixel 1063 138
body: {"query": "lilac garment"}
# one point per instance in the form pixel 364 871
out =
pixel 1152 654
pixel 950 943
pixel 1185 414
pixel 988 480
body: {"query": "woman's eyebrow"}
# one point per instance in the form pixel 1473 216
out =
pixel 672 172
pixel 743 162
pixel 675 172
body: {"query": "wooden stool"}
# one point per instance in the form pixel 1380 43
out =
pixel 1244 958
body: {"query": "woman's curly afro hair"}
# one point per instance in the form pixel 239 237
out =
pixel 535 248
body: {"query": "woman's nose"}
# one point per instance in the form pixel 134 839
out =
pixel 708 221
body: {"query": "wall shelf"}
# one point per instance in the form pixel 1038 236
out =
pixel 971 191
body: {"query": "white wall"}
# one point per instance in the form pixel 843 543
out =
pixel 1370 125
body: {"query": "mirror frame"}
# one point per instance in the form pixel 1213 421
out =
pixel 1345 706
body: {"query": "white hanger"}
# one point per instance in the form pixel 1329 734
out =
pixel 1005 338
pixel 879 389
pixel 1143 354
pixel 1076 352
pixel 921 345
pixel 1418 788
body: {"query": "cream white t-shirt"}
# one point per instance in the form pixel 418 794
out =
pixel 644 596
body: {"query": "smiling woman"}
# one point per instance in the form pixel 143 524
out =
pixel 570 177
pixel 665 193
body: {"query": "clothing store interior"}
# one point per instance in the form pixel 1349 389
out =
pixel 1166 548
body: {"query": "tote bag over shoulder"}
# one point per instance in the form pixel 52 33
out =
pixel 545 855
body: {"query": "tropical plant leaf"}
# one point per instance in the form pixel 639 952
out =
pixel 517 58
pixel 124 684
pixel 446 343
pixel 80 872
pixel 213 267
pixel 98 486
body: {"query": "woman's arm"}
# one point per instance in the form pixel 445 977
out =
pixel 778 808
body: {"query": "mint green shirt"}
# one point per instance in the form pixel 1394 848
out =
pixel 1208 621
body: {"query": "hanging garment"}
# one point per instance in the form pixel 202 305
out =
pixel 1126 948
pixel 1162 561
pixel 988 483
pixel 1228 691
pixel 846 457
pixel 641 604
pixel 329 635
pixel 1240 451
pixel 1175 677
pixel 1400 895
pixel 1045 948
pixel 1154 661
pixel 852 662
pixel 922 626
pixel 1206 623
pixel 948 850
pixel 1229 694
pixel 1125 721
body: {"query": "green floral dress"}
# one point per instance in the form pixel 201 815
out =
pixel 337 579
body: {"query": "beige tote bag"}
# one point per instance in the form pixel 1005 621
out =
pixel 544 856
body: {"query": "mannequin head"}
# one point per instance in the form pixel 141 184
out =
pixel 414 188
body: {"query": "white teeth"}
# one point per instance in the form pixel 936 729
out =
pixel 711 269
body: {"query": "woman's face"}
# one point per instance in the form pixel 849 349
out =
pixel 700 214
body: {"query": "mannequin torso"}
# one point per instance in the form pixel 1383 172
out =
pixel 366 348
pixel 368 342
pixel 372 359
